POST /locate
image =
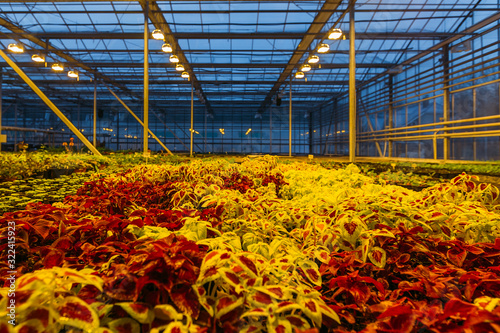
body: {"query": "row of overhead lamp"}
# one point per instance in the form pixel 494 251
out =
pixel 57 67
pixel 157 34
pixel 322 48
pixel 167 48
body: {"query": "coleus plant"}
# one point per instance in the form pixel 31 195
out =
pixel 294 246
pixel 240 289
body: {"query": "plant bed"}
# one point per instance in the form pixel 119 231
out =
pixel 261 246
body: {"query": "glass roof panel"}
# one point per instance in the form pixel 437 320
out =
pixel 234 42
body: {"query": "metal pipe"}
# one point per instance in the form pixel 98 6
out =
pixel 146 80
pixel 391 110
pixel 457 128
pixel 446 99
pixel 95 113
pixel 290 121
pixel 450 122
pixel 352 85
pixel 2 136
pixel 431 136
pixel 191 129
pixel 138 120
pixel 49 103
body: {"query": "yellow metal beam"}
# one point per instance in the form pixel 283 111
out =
pixel 290 121
pixel 3 137
pixel 146 81
pixel 49 103
pixel 352 85
pixel 192 115
pixel 94 139
pixel 137 118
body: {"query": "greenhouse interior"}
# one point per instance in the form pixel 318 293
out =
pixel 279 166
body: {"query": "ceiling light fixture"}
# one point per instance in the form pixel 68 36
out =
pixel 16 48
pixel 58 67
pixel 314 59
pixel 73 74
pixel 248 131
pixel 305 68
pixel 335 34
pixel 323 48
pixel 38 58
pixel 185 75
pixel 167 48
pixel 157 34
pixel 299 75
pixel 174 58
pixel 179 67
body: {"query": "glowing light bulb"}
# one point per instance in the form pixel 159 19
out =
pixel 157 34
pixel 335 34
pixel 314 59
pixel 323 48
pixel 174 58
pixel 58 67
pixel 73 74
pixel 16 48
pixel 299 75
pixel 305 68
pixel 37 58
pixel 167 48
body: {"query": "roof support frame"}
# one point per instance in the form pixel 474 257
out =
pixel 314 29
pixel 159 21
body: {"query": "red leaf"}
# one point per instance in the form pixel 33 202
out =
pixel 280 329
pixel 263 298
pixel 185 299
pixel 276 290
pixel 40 314
pixel 4 328
pixel 456 307
pixel 42 227
pixel 457 256
pixel 350 227
pixel 312 274
pixel 63 243
pixel 54 258
pixel 248 263
pixel 311 306
pixel 233 277
pixel 396 311
pixel 76 310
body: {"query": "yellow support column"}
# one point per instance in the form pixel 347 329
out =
pixel 290 121
pixel 146 81
pixel 3 137
pixel 352 86
pixel 95 114
pixel 191 129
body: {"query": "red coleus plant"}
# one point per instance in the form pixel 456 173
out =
pixel 238 182
pixel 156 272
